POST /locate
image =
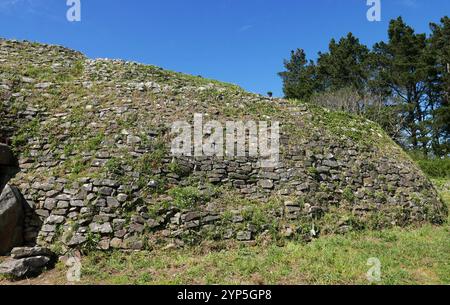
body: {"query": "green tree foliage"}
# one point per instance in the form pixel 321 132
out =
pixel 299 79
pixel 403 83
pixel 345 65
pixel 401 70
pixel 440 45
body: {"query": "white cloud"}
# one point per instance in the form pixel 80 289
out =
pixel 410 3
pixel 9 6
pixel 245 28
pixel 22 8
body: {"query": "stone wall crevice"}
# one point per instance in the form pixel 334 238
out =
pixel 9 165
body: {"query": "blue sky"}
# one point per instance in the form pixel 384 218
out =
pixel 237 41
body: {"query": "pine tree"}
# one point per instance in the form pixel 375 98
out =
pixel 402 71
pixel 440 44
pixel 403 84
pixel 299 79
pixel 345 65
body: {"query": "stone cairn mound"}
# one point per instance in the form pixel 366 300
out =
pixel 93 142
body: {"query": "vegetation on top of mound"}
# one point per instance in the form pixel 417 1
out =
pixel 348 126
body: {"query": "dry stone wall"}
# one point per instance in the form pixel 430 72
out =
pixel 114 215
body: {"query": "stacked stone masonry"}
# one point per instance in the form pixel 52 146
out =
pixel 319 172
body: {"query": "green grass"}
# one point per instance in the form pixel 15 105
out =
pixel 189 197
pixel 407 256
pixel 437 168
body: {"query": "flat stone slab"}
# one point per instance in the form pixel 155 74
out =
pixel 24 252
pixel 20 268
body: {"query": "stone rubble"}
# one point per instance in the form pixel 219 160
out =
pixel 27 262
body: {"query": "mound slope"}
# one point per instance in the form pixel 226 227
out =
pixel 93 139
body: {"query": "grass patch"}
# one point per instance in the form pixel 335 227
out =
pixel 406 257
pixel 189 197
pixel 435 168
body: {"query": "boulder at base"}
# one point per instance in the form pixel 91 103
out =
pixel 11 219
pixel 20 268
